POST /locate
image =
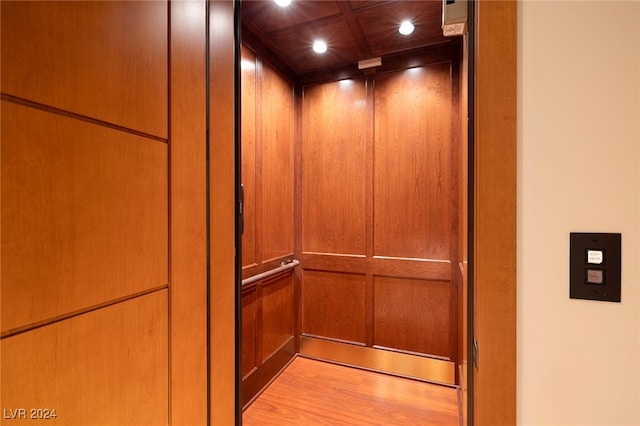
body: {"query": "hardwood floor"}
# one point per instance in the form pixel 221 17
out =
pixel 311 392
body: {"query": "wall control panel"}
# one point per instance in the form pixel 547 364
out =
pixel 595 266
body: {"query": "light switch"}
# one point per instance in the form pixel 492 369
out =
pixel 595 276
pixel 595 257
pixel 595 266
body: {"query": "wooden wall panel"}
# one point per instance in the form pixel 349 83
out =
pixel 333 305
pixel 277 314
pixel 413 194
pixel 384 209
pixel 334 128
pixel 106 367
pixel 412 314
pixel 223 406
pixel 249 127
pixel 267 331
pixel 188 273
pixel 276 165
pixel 106 60
pixel 84 215
pixel 268 176
pixel 463 226
pixel 495 216
pixel 249 330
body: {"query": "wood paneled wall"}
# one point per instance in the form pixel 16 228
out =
pixel 268 179
pixel 267 165
pixel 187 242
pixel 90 170
pixel 267 331
pixel 379 211
pixel 495 215
pixel 223 292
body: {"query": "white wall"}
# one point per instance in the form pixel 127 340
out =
pixel 579 156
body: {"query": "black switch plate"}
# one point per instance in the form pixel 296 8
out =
pixel 595 266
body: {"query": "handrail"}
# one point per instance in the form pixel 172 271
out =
pixel 283 267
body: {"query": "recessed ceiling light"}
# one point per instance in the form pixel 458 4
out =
pixel 283 3
pixel 319 46
pixel 406 28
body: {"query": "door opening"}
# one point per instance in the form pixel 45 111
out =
pixel 364 269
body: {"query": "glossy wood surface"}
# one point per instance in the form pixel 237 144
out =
pixel 463 226
pixel 249 330
pixel 84 215
pixel 267 164
pixel 412 193
pixel 378 194
pixel 188 286
pixel 276 151
pixel 222 215
pixel 249 128
pixel 105 60
pixel 312 392
pixel 267 331
pixel 495 212
pixel 422 307
pixel 105 367
pixel 277 314
pixel 268 175
pixel 334 126
pixel 333 305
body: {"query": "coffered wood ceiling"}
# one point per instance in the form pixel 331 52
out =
pixel 353 30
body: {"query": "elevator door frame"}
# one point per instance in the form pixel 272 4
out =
pixel 492 186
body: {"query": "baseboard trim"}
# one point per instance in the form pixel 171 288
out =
pixel 399 364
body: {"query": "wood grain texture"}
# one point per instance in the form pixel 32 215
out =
pixel 383 207
pixel 187 150
pixel 312 392
pixel 267 331
pixel 495 212
pixel 84 215
pixel 413 194
pixel 106 60
pixel 408 268
pixel 276 314
pixel 276 164
pixel 106 367
pixel 222 219
pixel 333 305
pixel 412 315
pixel 463 226
pixel 249 126
pixel 334 125
pixel 249 330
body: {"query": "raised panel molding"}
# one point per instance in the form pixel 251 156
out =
pixel 249 330
pixel 333 305
pixel 413 163
pixel 276 165
pixel 379 202
pixel 412 315
pixel 334 144
pixel 276 314
pixel 267 331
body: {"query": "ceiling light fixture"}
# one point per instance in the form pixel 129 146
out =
pixel 406 28
pixel 283 3
pixel 319 46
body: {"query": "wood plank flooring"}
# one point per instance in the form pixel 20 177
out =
pixel 311 392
